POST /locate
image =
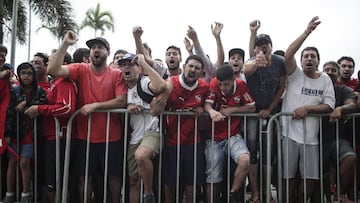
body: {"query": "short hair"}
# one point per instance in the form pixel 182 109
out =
pixel 44 56
pixel 79 54
pixel 311 49
pixel 174 47
pixel 237 51
pixel 3 49
pixel 279 52
pixel 146 46
pixel 225 72
pixel 119 51
pixel 197 58
pixel 347 58
pixel 67 58
pixel 332 63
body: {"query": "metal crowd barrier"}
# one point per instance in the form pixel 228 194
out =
pixel 273 122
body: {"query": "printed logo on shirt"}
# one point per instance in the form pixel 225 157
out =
pixel 311 92
pixel 135 94
pixel 223 106
pixel 237 99
pixel 247 97
pixel 198 98
pixel 181 98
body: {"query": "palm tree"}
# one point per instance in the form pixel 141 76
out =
pixel 58 31
pixel 98 20
pixel 51 12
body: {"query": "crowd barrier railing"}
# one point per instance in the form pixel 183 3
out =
pixel 273 126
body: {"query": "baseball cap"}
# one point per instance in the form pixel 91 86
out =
pixel 262 39
pixel 98 40
pixel 8 66
pixel 237 51
pixel 127 58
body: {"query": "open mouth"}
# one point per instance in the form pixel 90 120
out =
pixel 309 64
pixel 191 75
pixel 96 56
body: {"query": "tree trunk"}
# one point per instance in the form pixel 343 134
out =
pixel 1 21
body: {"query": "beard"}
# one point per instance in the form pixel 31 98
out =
pixel 98 62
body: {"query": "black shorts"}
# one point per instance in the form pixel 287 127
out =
pixel 49 155
pixel 330 153
pixel 186 165
pixel 97 158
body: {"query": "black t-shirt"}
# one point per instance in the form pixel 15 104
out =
pixel 342 93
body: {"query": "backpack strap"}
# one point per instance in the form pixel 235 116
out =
pixel 143 95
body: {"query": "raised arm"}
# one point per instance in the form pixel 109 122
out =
pixel 216 31
pixel 189 47
pixel 254 26
pixel 140 49
pixel 290 62
pixel 209 68
pixel 55 67
pixel 157 84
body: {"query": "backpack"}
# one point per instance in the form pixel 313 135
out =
pixel 143 95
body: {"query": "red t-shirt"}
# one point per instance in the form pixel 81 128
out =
pixel 97 87
pixel 353 83
pixel 240 97
pixel 4 102
pixel 45 85
pixel 184 98
pixel 61 104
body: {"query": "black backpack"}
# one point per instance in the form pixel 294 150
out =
pixel 143 95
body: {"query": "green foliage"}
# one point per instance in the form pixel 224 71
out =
pixel 98 20
pixel 55 14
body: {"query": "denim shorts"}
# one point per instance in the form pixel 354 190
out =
pixel 26 150
pixel 215 155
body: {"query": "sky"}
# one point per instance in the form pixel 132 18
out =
pixel 165 23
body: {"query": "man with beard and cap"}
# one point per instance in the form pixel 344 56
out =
pixel 188 94
pixel 100 88
pixel 307 91
pixel 265 76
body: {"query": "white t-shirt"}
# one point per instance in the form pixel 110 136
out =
pixel 142 122
pixel 301 91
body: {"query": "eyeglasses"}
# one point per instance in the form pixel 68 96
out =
pixel 26 73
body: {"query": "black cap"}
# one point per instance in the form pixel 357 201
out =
pixel 262 39
pixel 8 66
pixel 127 58
pixel 237 51
pixel 98 40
